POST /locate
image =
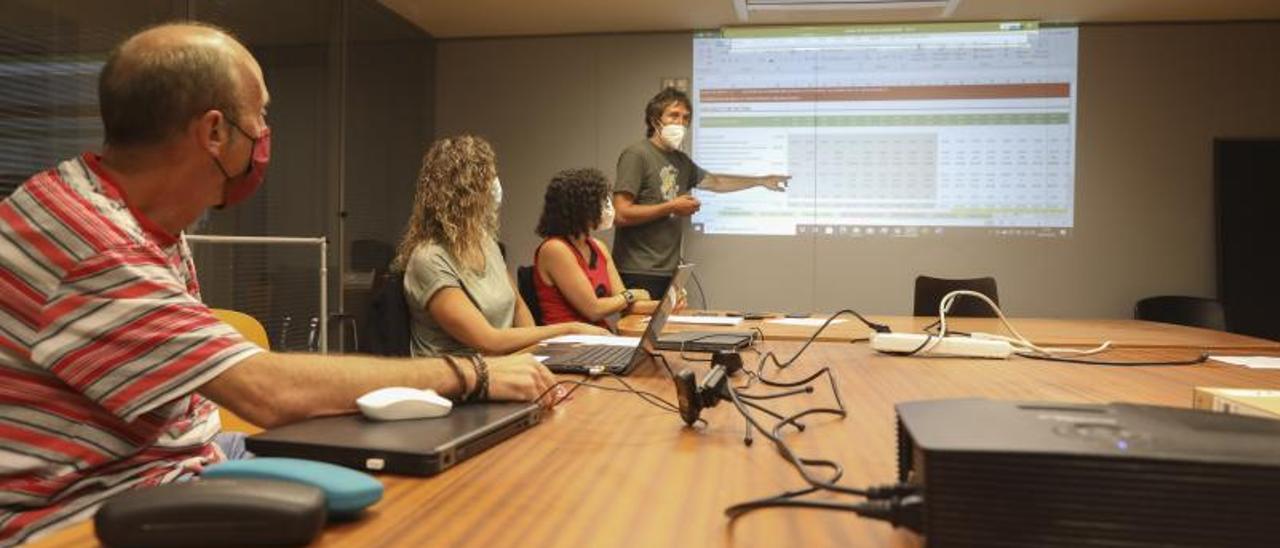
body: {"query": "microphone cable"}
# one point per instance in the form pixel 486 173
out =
pixel 899 504
pixel 702 294
pixel 646 396
pixel 780 364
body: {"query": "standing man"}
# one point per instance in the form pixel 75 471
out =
pixel 110 365
pixel 651 195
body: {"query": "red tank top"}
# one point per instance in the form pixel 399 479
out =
pixel 555 309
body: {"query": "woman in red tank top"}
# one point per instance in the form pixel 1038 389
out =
pixel 574 274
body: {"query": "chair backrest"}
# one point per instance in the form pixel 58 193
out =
pixel 930 290
pixel 251 329
pixel 248 326
pixel 1192 311
pixel 529 292
pixel 387 322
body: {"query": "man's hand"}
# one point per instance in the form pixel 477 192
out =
pixel 776 183
pixel 517 377
pixel 685 205
pixel 641 295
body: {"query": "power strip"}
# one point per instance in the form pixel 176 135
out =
pixel 952 346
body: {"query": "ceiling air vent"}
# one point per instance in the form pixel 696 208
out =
pixel 745 7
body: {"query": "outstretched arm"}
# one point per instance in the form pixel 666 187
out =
pixel 720 182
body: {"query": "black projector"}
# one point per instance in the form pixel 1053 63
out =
pixel 1001 473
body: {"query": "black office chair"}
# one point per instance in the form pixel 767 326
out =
pixel 387 322
pixel 1192 311
pixel 930 290
pixel 524 281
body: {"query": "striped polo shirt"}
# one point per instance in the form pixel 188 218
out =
pixel 103 341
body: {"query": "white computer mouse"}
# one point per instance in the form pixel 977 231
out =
pixel 400 402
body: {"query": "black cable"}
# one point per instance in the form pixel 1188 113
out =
pixel 927 338
pixel 783 394
pixel 898 504
pixel 883 502
pixel 659 357
pixel 774 435
pixel 878 328
pixel 1198 360
pixel 648 397
pixel 770 412
pixel 901 512
pixel 701 293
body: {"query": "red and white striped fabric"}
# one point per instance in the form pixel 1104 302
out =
pixel 103 340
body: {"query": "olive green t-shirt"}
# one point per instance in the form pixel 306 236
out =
pixel 432 268
pixel 652 176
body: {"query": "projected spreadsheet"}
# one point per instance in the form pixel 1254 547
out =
pixel 956 128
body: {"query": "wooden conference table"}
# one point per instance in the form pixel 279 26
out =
pixel 606 469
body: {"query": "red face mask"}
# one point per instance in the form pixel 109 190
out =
pixel 238 189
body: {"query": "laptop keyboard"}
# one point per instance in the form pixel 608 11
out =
pixel 600 355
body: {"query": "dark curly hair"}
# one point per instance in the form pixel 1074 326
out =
pixel 572 205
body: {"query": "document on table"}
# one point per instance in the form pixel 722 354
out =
pixel 603 340
pixel 1254 362
pixel 706 320
pixel 806 322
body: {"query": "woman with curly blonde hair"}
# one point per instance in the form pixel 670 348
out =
pixel 456 283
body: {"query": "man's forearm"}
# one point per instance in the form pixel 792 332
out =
pixel 271 389
pixel 636 214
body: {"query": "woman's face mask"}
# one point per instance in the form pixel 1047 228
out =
pixel 496 189
pixel 606 215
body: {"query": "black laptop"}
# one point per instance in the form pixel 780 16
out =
pixel 618 360
pixel 693 341
pixel 417 447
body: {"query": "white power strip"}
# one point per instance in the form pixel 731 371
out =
pixel 953 346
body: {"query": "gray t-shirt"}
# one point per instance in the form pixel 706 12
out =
pixel 652 176
pixel 432 268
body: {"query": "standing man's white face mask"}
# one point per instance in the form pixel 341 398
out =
pixel 673 124
pixel 673 134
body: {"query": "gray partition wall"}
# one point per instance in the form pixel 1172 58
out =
pixel 1152 98
pixel 351 88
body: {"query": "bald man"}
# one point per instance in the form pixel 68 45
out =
pixel 110 365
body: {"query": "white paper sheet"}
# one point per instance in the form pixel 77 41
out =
pixel 1255 362
pixel 807 322
pixel 705 320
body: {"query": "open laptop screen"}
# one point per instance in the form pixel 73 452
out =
pixel 659 318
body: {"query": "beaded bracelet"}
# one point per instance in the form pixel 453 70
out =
pixel 462 379
pixel 481 389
